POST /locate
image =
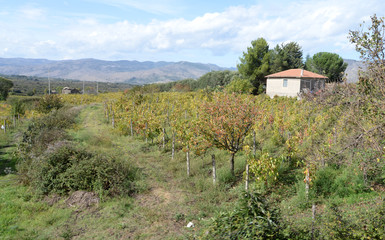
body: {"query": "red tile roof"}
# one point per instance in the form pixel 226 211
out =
pixel 296 73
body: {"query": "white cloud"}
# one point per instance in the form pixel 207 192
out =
pixel 315 25
pixel 32 13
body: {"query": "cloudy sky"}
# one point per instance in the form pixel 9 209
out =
pixel 207 31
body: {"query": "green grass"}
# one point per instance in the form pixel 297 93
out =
pixel 166 199
pixel 22 216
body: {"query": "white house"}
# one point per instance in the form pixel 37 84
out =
pixel 292 82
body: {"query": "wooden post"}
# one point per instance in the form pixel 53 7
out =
pixel 5 126
pixel 188 161
pixel 132 132
pixel 163 138
pixel 173 146
pixel 108 115
pixel 113 119
pixel 214 169
pixel 313 209
pixel 307 181
pixel 254 144
pixel 247 177
pixel 145 132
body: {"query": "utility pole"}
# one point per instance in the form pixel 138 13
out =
pixel 49 86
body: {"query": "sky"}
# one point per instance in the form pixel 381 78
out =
pixel 206 31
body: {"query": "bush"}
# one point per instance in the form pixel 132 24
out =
pixel 251 219
pixel 64 168
pixel 48 103
pixel 323 181
pixel 45 130
pixel 338 182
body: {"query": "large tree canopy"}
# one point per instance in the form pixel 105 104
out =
pixel 255 63
pixel 286 56
pixel 328 64
pixel 5 86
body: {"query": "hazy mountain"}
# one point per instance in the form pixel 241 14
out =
pixel 133 72
pixel 351 71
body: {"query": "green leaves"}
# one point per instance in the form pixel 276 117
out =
pixel 286 56
pixel 5 86
pixel 252 218
pixel 255 63
pixel 329 64
pixel 371 45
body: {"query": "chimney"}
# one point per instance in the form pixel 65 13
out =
pixel 302 72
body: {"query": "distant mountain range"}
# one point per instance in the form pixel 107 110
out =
pixel 132 72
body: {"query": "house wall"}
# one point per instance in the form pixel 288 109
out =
pixel 274 87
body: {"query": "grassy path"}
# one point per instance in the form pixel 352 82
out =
pixel 160 209
pixel 165 201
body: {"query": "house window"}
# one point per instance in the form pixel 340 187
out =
pixel 284 82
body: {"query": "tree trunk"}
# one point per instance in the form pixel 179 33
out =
pixel 232 163
pixel 214 169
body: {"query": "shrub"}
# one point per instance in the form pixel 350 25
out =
pixel 251 219
pixel 65 168
pixel 45 130
pixel 323 181
pixel 48 103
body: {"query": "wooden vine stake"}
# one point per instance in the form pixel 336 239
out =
pixel 214 169
pixel 132 132
pixel 188 161
pixel 113 119
pixel 247 178
pixel 163 138
pixel 173 146
pixel 313 210
pixel 307 181
pixel 145 132
pixel 108 114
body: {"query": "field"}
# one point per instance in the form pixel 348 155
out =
pixel 132 179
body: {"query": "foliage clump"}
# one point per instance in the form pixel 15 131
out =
pixel 64 168
pixel 5 86
pixel 48 103
pixel 252 218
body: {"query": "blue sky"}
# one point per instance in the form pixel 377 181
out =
pixel 207 31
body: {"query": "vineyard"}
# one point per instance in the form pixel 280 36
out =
pixel 302 165
pixel 318 143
